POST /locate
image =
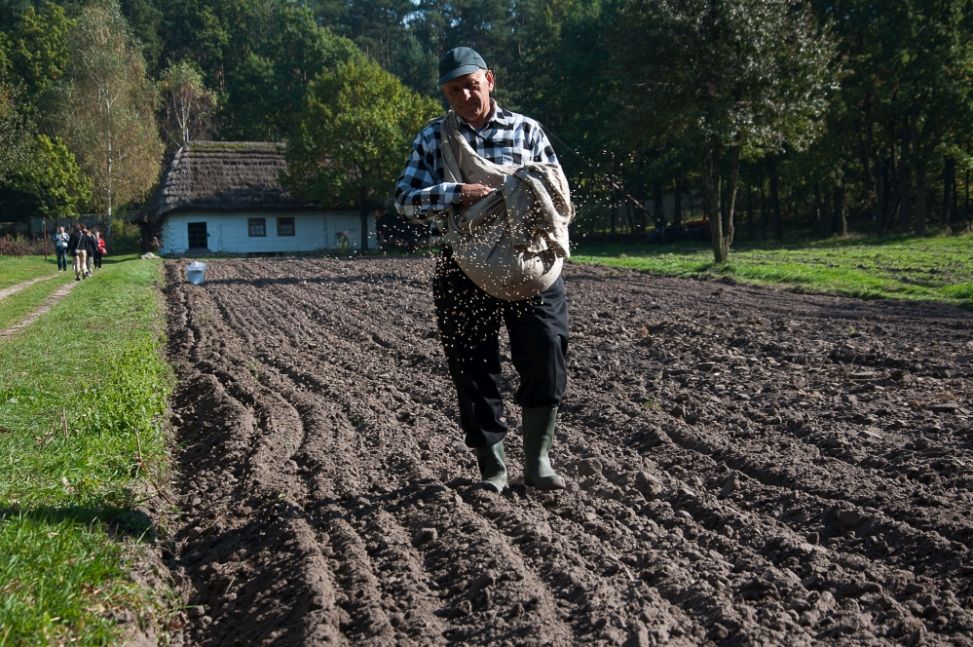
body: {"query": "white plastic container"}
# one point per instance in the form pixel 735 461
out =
pixel 195 272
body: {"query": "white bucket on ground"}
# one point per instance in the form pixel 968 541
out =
pixel 195 272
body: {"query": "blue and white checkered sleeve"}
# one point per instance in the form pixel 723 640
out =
pixel 540 147
pixel 419 192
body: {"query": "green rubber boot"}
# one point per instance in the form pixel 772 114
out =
pixel 492 468
pixel 538 438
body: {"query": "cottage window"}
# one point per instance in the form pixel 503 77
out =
pixel 257 227
pixel 285 226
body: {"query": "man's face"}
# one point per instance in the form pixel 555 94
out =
pixel 469 96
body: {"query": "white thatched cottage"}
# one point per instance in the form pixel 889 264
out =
pixel 227 197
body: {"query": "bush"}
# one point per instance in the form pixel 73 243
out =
pixel 21 246
pixel 125 237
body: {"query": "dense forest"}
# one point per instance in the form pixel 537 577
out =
pixel 766 117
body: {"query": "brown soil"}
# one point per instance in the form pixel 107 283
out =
pixel 745 466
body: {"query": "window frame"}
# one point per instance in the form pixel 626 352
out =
pixel 289 220
pixel 262 222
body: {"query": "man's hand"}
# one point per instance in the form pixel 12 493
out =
pixel 473 193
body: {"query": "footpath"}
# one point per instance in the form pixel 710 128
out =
pixel 45 306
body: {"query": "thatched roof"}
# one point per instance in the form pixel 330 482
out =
pixel 224 176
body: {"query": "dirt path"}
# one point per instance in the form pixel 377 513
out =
pixel 23 285
pixel 746 466
pixel 44 307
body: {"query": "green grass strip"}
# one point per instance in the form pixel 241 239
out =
pixel 19 305
pixel 934 268
pixel 83 392
pixel 15 269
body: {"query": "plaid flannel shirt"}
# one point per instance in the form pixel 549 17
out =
pixel 507 138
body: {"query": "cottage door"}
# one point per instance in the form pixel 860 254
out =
pixel 197 235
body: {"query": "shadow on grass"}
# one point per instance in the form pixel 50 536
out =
pixel 115 520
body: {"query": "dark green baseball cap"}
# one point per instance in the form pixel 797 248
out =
pixel 459 61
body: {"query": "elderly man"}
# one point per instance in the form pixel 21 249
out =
pixel 468 317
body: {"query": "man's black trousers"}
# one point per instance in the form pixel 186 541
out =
pixel 469 325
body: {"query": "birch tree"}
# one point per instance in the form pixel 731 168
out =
pixel 188 103
pixel 106 109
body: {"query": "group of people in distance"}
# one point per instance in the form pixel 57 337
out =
pixel 86 246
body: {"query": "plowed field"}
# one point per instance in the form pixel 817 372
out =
pixel 745 466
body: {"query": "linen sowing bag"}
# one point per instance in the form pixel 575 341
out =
pixel 512 243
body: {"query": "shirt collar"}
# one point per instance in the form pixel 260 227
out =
pixel 497 114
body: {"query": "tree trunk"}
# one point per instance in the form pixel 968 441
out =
pixel 922 195
pixel 363 211
pixel 966 188
pixel 658 211
pixel 905 183
pixel 818 223
pixel 764 219
pixel 614 210
pixel 775 197
pixel 838 218
pixel 949 192
pixel 711 201
pixel 751 225
pixel 922 185
pixel 879 209
pixel 677 202
pixel 885 224
pixel 729 228
pixel 633 226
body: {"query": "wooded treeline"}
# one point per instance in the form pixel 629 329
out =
pixel 767 116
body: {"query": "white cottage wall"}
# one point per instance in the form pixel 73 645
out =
pixel 228 233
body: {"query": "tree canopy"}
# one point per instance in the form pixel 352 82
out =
pixel 823 115
pixel 352 134
pixel 768 90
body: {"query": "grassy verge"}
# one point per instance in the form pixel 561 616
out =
pixel 82 394
pixel 14 269
pixel 938 268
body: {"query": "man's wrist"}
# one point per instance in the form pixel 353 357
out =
pixel 454 193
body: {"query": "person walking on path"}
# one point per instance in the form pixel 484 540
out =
pixel 81 246
pixel 61 249
pixel 100 249
pixel 468 317
pixel 92 248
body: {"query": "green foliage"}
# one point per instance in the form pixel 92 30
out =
pixel 38 47
pixel 5 64
pixel 353 133
pixel 769 89
pixel 14 136
pixel 906 104
pixel 259 57
pixel 125 237
pixel 54 177
pixel 255 119
pixel 145 19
